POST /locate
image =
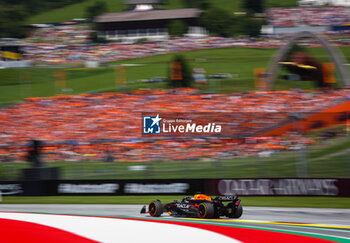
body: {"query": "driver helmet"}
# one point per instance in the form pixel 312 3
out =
pixel 202 197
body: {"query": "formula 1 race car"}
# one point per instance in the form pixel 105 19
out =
pixel 199 206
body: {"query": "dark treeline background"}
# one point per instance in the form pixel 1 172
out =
pixel 14 12
pixel 218 21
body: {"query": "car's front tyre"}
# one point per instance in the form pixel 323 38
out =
pixel 155 208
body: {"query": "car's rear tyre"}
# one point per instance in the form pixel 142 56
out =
pixel 155 208
pixel 235 212
pixel 206 210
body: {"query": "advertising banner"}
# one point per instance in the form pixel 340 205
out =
pixel 221 187
pixel 128 187
pixel 281 187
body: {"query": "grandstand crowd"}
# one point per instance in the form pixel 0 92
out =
pixel 97 126
pixel 75 51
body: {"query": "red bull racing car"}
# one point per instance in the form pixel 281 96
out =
pixel 199 206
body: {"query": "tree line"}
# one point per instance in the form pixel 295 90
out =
pixel 222 22
pixel 217 21
pixel 13 14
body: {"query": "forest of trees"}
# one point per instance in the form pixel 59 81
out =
pixel 222 22
pixel 13 13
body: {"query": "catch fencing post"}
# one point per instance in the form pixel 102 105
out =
pixel 302 170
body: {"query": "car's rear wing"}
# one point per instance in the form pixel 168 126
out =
pixel 226 198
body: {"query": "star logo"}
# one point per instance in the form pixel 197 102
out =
pixel 151 124
pixel 156 120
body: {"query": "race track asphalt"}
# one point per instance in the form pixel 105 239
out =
pixel 329 222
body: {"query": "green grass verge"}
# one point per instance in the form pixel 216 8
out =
pixel 308 202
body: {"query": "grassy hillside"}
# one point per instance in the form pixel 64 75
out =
pixel 70 12
pixel 17 84
pixel 78 10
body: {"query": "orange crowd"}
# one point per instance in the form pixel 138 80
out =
pixel 101 125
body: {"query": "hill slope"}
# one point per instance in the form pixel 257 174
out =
pixel 78 10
